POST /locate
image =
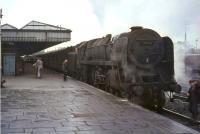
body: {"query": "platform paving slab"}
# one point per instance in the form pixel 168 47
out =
pixel 52 106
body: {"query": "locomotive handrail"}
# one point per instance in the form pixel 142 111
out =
pixel 151 83
pixel 110 63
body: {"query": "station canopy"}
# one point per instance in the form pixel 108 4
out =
pixel 34 36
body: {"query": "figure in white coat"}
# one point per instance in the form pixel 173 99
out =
pixel 39 66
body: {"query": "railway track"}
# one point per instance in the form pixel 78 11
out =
pixel 183 119
pixel 181 97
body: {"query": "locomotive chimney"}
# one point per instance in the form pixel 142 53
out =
pixel 108 35
pixel 135 28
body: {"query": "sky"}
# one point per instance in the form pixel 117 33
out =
pixel 90 19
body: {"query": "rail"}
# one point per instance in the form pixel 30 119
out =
pixel 181 97
pixel 180 116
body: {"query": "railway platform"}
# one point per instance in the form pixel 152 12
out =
pixel 52 106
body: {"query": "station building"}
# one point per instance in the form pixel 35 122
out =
pixel 32 37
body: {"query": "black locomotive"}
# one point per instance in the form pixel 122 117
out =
pixel 138 65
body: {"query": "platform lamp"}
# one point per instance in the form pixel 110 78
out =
pixel 0 45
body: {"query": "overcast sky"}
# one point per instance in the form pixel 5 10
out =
pixel 95 18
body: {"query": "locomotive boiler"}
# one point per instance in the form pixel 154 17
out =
pixel 138 65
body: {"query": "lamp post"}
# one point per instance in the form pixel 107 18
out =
pixel 197 43
pixel 0 45
pixel 185 35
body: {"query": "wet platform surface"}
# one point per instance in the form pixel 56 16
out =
pixel 52 106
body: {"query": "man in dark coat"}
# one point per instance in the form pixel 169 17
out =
pixel 193 98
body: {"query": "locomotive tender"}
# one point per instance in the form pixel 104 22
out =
pixel 138 65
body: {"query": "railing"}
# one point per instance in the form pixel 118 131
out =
pixel 33 39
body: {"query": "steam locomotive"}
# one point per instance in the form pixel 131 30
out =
pixel 138 65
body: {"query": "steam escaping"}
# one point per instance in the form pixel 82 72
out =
pixel 167 18
pixel 94 18
pixel 182 74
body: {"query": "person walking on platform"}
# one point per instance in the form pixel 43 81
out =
pixel 64 66
pixel 2 82
pixel 39 66
pixel 193 98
